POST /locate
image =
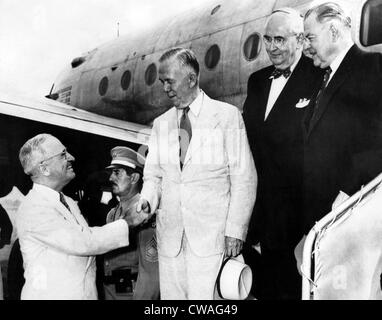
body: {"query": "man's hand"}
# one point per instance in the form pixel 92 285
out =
pixel 144 205
pixel 233 246
pixel 134 219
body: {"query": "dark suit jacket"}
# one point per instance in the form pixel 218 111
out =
pixel 277 147
pixel 5 228
pixel 342 148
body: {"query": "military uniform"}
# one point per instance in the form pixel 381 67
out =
pixel 131 272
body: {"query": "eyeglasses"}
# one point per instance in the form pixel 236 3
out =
pixel 278 41
pixel 63 154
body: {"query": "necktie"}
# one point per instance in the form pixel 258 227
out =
pixel 325 80
pixel 185 135
pixel 63 201
pixel 277 73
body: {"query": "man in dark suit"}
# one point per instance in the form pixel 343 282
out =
pixel 5 228
pixel 342 140
pixel 273 114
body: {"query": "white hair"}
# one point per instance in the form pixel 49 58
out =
pixel 32 153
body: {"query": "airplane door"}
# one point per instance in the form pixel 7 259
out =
pixel 371 24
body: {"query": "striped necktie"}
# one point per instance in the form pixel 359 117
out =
pixel 185 135
pixel 325 81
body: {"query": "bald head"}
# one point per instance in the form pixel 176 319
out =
pixel 287 18
pixel 283 37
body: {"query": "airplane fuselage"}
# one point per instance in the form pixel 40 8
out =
pixel 119 79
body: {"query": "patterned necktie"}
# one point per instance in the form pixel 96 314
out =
pixel 277 73
pixel 328 71
pixel 63 201
pixel 185 135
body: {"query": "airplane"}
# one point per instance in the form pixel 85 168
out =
pixel 110 95
pixel 119 79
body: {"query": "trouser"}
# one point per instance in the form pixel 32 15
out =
pixel 146 286
pixel 188 276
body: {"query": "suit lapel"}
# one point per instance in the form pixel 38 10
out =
pixel 207 120
pixel 169 137
pixel 288 95
pixel 338 79
pixel 288 92
pixel 265 95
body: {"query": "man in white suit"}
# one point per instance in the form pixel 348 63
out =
pixel 206 185
pixel 57 245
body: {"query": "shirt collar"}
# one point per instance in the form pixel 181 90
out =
pixel 46 191
pixel 195 106
pixel 337 61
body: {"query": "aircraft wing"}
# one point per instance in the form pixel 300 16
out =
pixel 56 113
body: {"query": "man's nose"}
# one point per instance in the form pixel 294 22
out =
pixel 69 157
pixel 273 46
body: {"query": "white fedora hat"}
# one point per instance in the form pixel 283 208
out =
pixel 234 280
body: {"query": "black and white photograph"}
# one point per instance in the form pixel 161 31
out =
pixel 179 150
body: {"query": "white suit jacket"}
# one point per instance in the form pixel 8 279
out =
pixel 58 247
pixel 213 196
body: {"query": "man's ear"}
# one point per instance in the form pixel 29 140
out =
pixel 334 32
pixel 44 170
pixel 192 79
pixel 135 177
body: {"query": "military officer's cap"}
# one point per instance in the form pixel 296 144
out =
pixel 126 157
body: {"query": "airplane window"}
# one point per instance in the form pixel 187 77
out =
pixel 252 47
pixel 212 57
pixel 151 74
pixel 214 10
pixel 125 80
pixel 102 88
pixel 371 23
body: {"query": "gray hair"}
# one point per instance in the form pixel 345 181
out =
pixel 295 18
pixel 329 11
pixel 32 153
pixel 186 57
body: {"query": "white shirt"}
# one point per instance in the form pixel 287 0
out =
pixel 195 107
pixel 276 87
pixel 338 60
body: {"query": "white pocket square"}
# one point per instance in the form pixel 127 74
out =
pixel 302 103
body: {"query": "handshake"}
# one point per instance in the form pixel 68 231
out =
pixel 138 214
